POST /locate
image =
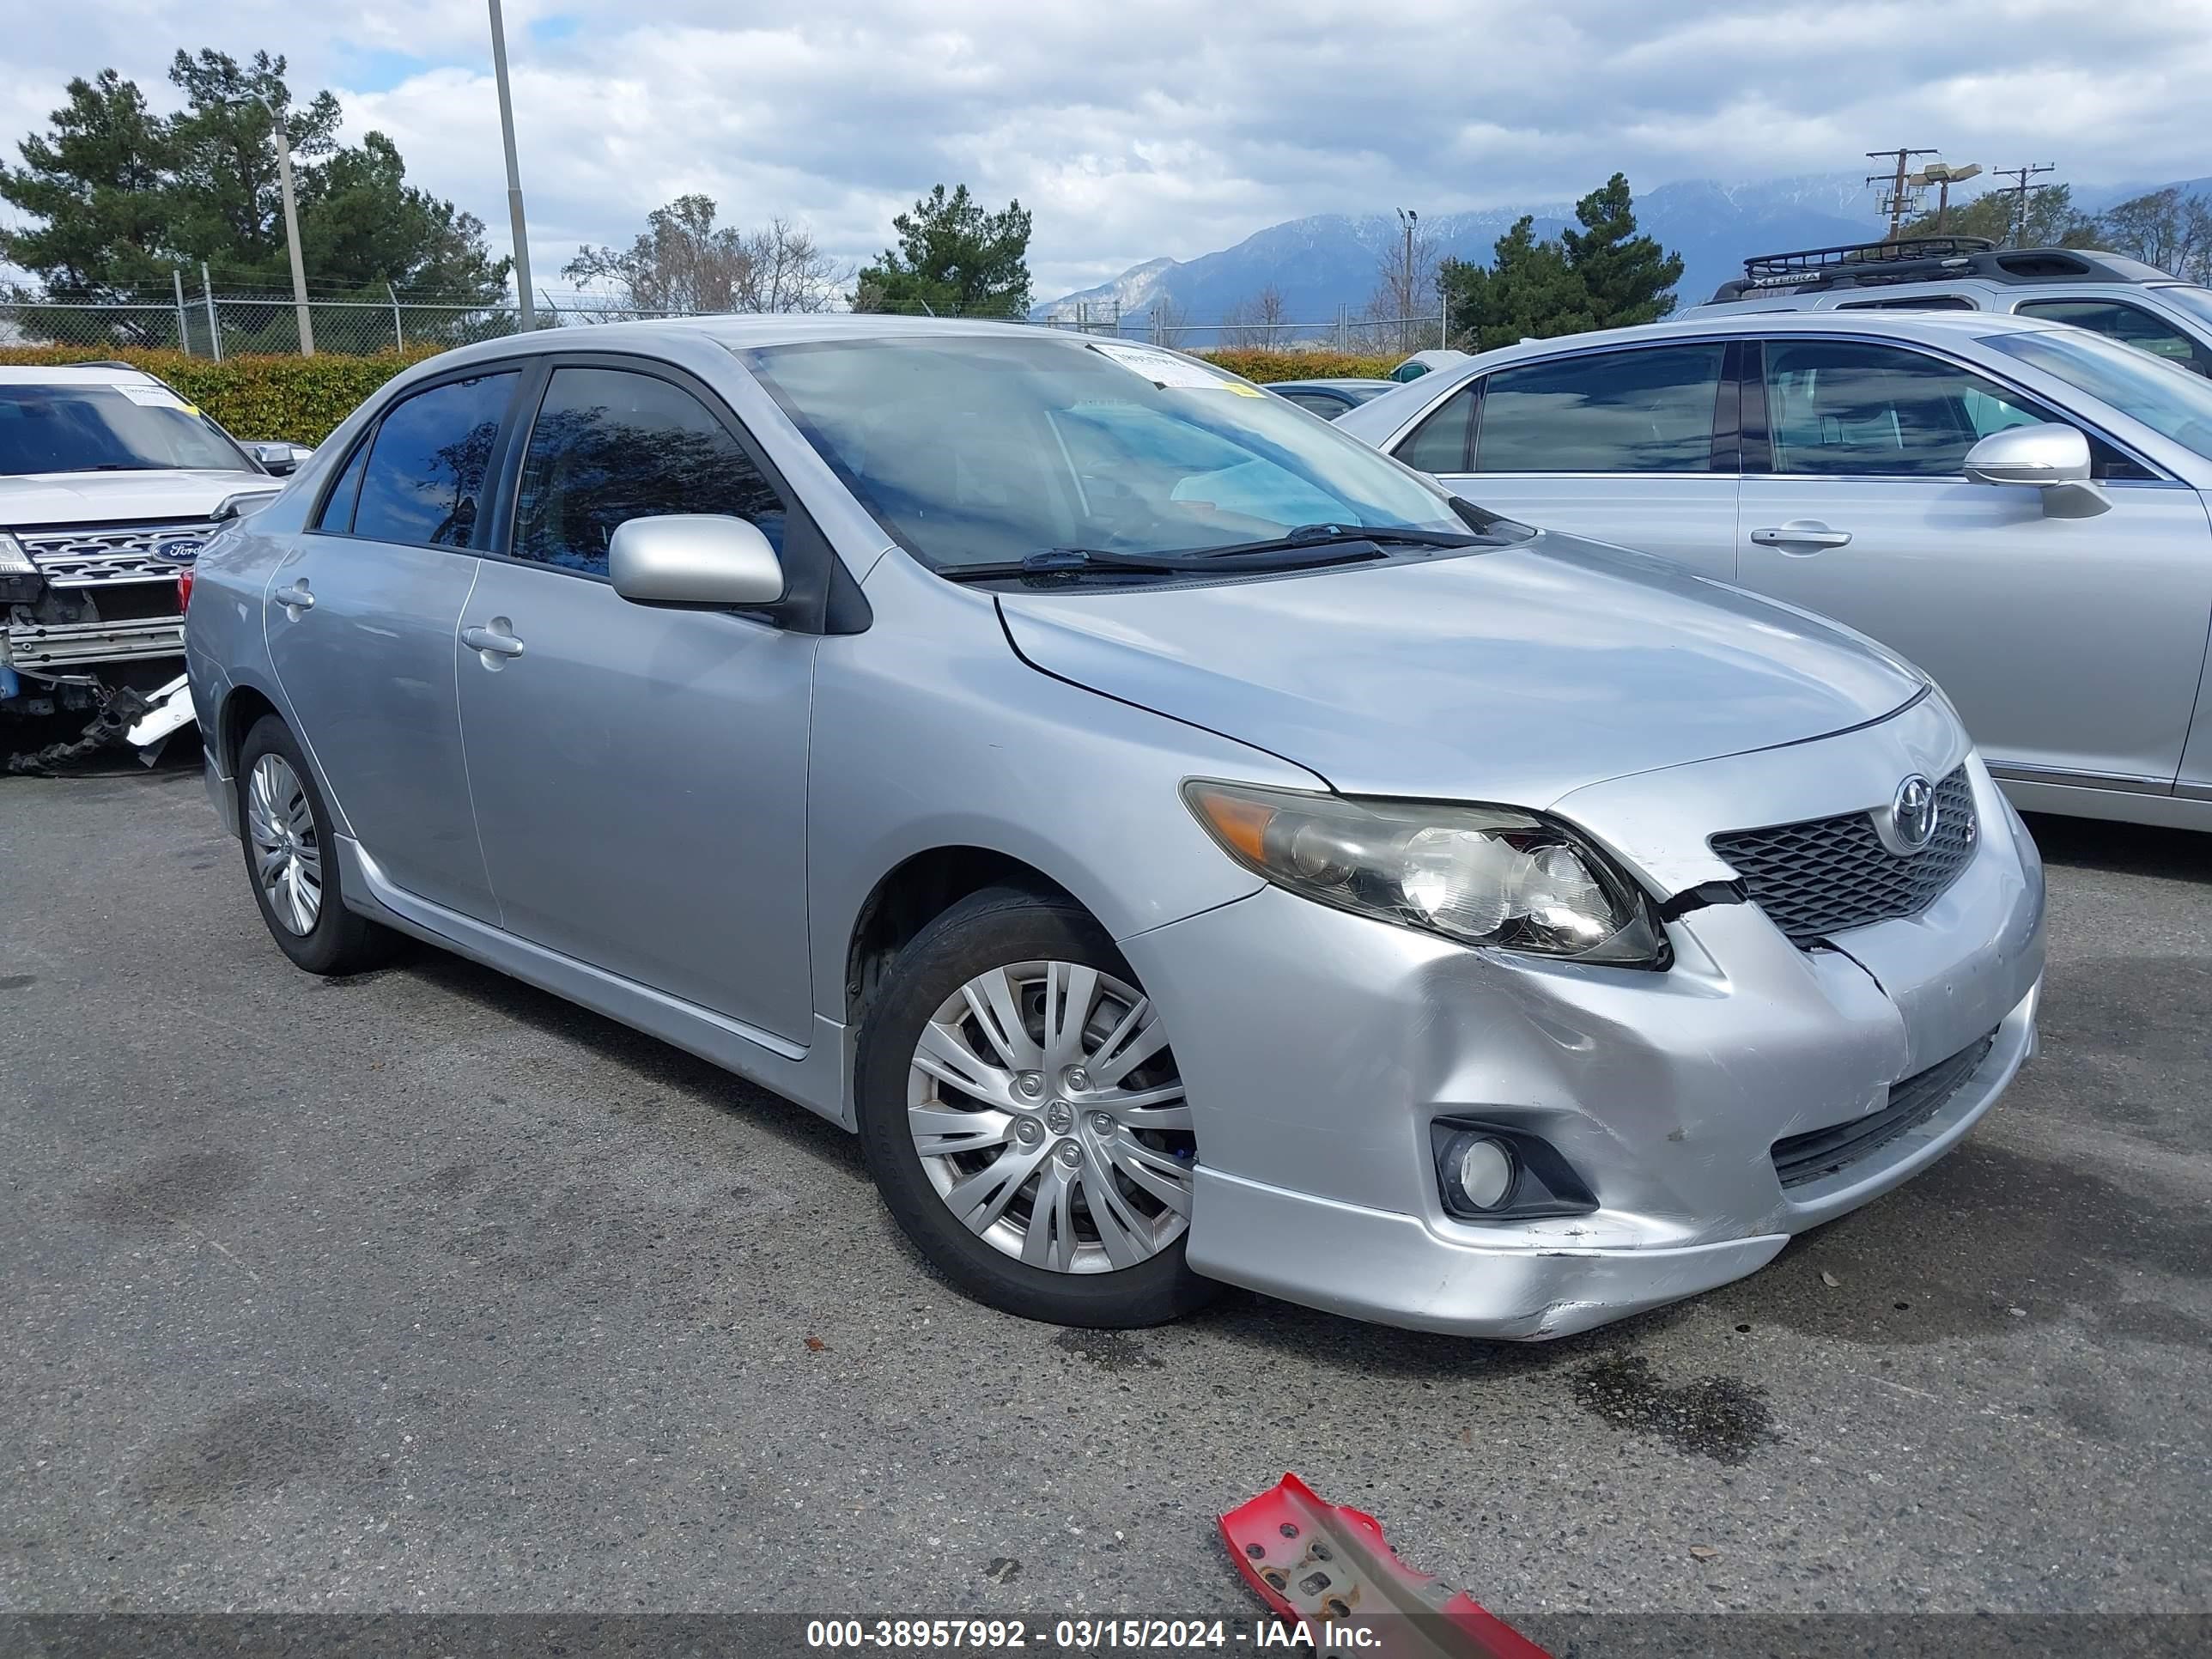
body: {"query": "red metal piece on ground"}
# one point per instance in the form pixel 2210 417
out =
pixel 1319 1562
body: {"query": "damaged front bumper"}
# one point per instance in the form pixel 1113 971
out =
pixel 1319 1048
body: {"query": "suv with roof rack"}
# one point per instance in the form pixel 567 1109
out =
pixel 2107 294
pixel 110 483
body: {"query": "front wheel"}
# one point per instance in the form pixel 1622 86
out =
pixel 1022 1114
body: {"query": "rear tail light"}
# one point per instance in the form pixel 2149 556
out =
pixel 184 591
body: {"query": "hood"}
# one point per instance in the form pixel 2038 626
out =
pixel 31 500
pixel 1513 675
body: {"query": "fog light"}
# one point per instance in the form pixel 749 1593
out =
pixel 1482 1169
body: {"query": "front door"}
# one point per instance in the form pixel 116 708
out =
pixel 639 773
pixel 2070 646
pixel 1633 447
pixel 359 620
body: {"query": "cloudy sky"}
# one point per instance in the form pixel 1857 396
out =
pixel 1144 128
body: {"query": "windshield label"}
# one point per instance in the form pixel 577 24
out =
pixel 1163 368
pixel 153 396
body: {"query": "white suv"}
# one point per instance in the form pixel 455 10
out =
pixel 2107 294
pixel 110 483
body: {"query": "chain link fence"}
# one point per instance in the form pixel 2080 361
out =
pixel 207 323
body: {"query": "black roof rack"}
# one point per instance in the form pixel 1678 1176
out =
pixel 1928 259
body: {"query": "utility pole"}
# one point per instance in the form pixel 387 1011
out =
pixel 1408 218
pixel 2018 189
pixel 215 328
pixel 513 172
pixel 292 237
pixel 1899 196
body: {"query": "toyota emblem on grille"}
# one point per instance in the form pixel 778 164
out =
pixel 1912 813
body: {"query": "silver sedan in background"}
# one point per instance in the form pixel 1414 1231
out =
pixel 2018 506
pixel 1185 845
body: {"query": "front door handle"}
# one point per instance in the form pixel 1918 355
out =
pixel 295 598
pixel 1801 536
pixel 495 645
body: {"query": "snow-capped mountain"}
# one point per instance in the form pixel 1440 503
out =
pixel 1328 262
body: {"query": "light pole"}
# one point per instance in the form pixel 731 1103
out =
pixel 1408 218
pixel 292 236
pixel 513 172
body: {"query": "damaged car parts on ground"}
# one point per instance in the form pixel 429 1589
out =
pixel 1186 846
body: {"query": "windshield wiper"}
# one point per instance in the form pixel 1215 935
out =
pixel 1339 535
pixel 1086 560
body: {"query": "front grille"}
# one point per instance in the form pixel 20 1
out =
pixel 1828 875
pixel 97 557
pixel 1809 1157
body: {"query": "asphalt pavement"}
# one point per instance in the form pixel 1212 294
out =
pixel 426 1292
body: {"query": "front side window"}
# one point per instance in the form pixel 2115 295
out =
pixel 1848 407
pixel 612 444
pixel 136 426
pixel 973 449
pixel 2130 325
pixel 1613 412
pixel 425 474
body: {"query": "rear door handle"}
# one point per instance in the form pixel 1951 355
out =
pixel 494 644
pixel 1801 535
pixel 296 598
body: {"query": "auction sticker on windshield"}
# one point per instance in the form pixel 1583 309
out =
pixel 1165 369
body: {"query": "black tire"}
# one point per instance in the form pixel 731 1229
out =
pixel 340 942
pixel 995 927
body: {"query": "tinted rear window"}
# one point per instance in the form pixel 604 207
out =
pixel 426 469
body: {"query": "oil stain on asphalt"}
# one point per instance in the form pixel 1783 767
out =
pixel 1722 1417
pixel 168 1190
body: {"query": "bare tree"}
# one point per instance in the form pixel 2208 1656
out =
pixel 1169 322
pixel 1405 288
pixel 1259 323
pixel 2164 228
pixel 682 261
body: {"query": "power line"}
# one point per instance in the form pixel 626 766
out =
pixel 1900 196
pixel 2018 191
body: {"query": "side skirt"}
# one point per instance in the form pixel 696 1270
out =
pixel 817 1076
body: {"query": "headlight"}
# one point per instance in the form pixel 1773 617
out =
pixel 1479 875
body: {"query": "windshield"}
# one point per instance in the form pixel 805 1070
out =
pixel 2196 301
pixel 2164 396
pixel 133 427
pixel 974 450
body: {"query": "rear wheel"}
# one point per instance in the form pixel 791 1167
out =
pixel 290 857
pixel 1022 1114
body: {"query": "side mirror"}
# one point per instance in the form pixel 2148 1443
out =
pixel 280 459
pixel 2051 458
pixel 703 559
pixel 2038 456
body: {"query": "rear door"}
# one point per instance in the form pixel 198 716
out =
pixel 640 773
pixel 360 619
pixel 2072 647
pixel 1636 445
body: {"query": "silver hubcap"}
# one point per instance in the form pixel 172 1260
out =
pixel 287 860
pixel 1050 1118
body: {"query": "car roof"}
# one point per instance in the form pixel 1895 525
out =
pixel 1383 414
pixel 1934 327
pixel 73 374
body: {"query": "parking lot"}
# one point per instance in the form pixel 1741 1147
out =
pixel 425 1290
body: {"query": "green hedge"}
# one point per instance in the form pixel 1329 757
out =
pixel 1264 365
pixel 301 399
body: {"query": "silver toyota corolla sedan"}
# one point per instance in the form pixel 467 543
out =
pixel 1186 846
